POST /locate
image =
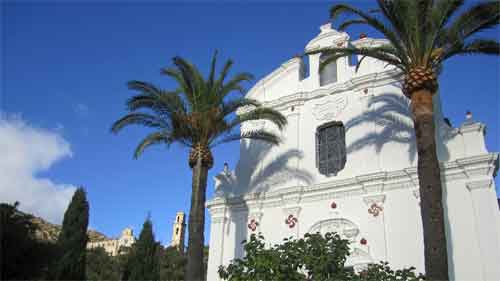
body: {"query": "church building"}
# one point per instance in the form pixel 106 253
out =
pixel 347 164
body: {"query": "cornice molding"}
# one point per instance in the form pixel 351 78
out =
pixel 480 166
pixel 472 127
pixel 377 199
pixel 355 84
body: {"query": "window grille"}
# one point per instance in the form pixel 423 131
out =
pixel 330 148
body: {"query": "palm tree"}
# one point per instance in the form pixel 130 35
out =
pixel 422 35
pixel 198 114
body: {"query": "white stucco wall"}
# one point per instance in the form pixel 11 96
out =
pixel 271 183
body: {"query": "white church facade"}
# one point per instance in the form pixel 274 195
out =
pixel 347 164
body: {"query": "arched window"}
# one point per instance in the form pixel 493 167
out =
pixel 330 148
pixel 328 74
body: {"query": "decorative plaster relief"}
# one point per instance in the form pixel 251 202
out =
pixel 254 125
pixel 291 221
pixel 377 199
pixel 375 209
pixel 343 227
pixel 473 185
pixel 252 225
pixel 333 205
pixel 331 108
pixel 375 203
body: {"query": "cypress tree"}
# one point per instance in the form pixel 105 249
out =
pixel 72 240
pixel 144 263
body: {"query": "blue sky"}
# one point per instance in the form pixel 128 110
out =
pixel 65 68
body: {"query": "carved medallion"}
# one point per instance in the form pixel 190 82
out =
pixel 330 108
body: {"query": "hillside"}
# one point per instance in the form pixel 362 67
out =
pixel 48 231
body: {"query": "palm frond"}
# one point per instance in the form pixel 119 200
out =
pixel 193 79
pixel 383 53
pixel 144 87
pixel 152 139
pixel 163 102
pixel 231 106
pixel 262 113
pixel 224 72
pixel 340 9
pixel 234 85
pixel 211 75
pixel 478 46
pixel 344 25
pixel 198 111
pixel 143 119
pixel 260 135
pixel 481 16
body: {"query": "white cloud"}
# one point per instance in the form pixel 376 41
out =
pixel 26 151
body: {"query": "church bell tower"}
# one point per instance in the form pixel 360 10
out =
pixel 178 231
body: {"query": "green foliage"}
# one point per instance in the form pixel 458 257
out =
pixel 314 257
pixel 172 264
pixel 198 111
pixel 22 256
pixel 143 262
pixel 421 33
pixel 72 240
pixel 101 266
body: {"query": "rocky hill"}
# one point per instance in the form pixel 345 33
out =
pixel 48 231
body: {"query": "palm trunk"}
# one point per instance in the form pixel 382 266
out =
pixel 429 176
pixel 196 224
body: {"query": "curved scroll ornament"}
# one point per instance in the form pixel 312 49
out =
pixel 343 227
pixel 330 108
pixel 291 221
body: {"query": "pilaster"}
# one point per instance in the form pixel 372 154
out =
pixel 376 222
pixel 485 215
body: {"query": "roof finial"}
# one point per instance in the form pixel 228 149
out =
pixel 326 27
pixel 468 115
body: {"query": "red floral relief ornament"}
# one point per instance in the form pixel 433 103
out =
pixel 291 221
pixel 375 209
pixel 333 205
pixel 363 241
pixel 253 225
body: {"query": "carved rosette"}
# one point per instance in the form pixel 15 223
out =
pixel 252 225
pixel 291 221
pixel 375 204
pixel 375 209
pixel 254 219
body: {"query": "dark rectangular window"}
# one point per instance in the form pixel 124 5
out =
pixel 330 148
